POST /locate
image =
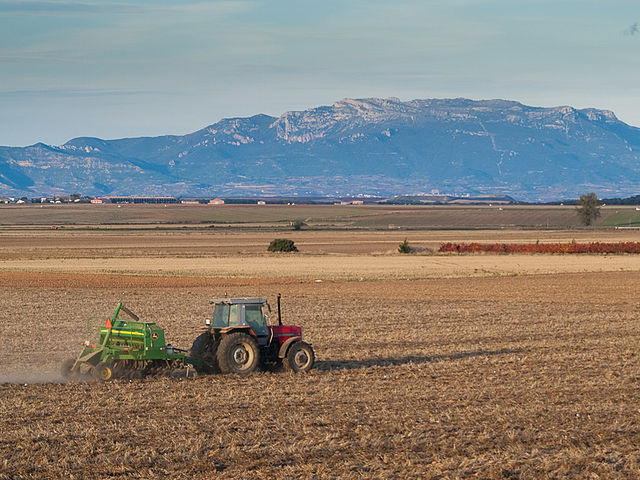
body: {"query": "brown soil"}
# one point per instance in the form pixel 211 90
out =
pixel 47 244
pixel 317 216
pixel 493 377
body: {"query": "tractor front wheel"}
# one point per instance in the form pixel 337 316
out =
pixel 238 353
pixel 300 357
pixel 103 372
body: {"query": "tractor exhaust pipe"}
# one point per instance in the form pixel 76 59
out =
pixel 279 313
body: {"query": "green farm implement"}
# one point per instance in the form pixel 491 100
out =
pixel 128 348
pixel 240 337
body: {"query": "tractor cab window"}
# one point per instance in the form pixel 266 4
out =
pixel 266 313
pixel 234 316
pixel 221 316
pixel 253 316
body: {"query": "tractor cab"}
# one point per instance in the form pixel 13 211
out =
pixel 232 313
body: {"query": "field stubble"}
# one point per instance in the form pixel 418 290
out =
pixel 482 374
pixel 322 216
pixel 507 377
pixel 323 255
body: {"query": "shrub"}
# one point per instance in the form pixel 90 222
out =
pixel 282 245
pixel 404 247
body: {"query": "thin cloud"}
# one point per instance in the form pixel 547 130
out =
pixel 51 7
pixel 65 93
pixel 633 29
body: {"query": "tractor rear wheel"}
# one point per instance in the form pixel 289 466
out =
pixel 204 349
pixel 300 357
pixel 67 365
pixel 238 353
pixel 103 372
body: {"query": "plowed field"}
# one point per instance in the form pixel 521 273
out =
pixel 478 374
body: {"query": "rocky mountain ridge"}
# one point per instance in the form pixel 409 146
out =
pixel 366 146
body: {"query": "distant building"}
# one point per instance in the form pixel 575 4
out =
pixel 261 202
pixel 216 201
pixel 357 202
pixel 96 200
pixel 190 202
pixel 136 199
pixel 4 200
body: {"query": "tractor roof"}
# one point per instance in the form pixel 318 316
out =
pixel 237 301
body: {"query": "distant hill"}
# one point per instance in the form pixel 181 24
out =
pixel 373 146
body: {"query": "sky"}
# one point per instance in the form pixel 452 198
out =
pixel 114 69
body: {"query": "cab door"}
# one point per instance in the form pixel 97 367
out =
pixel 255 319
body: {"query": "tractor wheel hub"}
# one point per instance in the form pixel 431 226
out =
pixel 301 358
pixel 240 355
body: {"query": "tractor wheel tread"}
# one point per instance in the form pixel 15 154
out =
pixel 300 357
pixel 238 353
pixel 204 348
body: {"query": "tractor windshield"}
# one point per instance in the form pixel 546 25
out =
pixel 221 316
pixel 226 316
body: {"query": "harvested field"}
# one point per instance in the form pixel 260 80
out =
pixel 420 375
pixel 70 243
pixel 332 267
pixel 33 216
pixel 324 255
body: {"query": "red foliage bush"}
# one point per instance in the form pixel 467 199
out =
pixel 595 247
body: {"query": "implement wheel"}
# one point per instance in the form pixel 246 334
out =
pixel 300 357
pixel 238 353
pixel 103 372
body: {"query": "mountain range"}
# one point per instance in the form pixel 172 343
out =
pixel 370 146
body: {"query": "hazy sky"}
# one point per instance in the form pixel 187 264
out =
pixel 122 68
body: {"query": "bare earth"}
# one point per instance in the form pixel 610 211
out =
pixel 429 366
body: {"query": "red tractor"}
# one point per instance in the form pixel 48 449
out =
pixel 239 339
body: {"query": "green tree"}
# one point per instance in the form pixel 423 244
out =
pixel 588 208
pixel 404 247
